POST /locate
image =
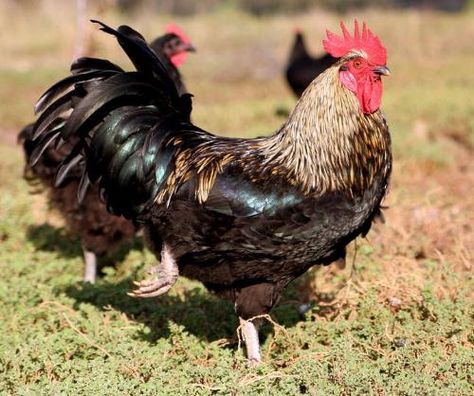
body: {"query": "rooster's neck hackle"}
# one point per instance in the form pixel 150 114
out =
pixel 327 143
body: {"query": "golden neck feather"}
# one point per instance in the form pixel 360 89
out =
pixel 328 143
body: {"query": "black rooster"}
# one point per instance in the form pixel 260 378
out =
pixel 100 232
pixel 243 216
pixel 302 68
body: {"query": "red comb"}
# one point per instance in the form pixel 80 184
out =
pixel 172 28
pixel 339 46
pixel 178 59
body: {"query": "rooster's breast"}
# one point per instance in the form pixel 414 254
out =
pixel 221 249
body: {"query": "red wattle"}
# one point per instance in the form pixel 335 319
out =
pixel 179 59
pixel 369 94
pixel 367 89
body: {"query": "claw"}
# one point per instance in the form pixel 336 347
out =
pixel 158 284
pixel 145 283
pixel 157 288
pixel 164 277
pixel 148 294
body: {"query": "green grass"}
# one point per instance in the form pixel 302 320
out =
pixel 399 323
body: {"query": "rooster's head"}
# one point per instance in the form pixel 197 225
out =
pixel 363 62
pixel 177 45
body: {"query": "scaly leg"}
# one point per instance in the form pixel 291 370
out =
pixel 250 335
pixel 90 269
pixel 164 277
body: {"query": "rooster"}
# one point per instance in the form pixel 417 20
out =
pixel 243 216
pixel 302 68
pixel 100 232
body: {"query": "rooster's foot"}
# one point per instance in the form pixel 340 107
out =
pixel 164 277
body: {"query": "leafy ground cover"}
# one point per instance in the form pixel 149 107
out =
pixel 397 320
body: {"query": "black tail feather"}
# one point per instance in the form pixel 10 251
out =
pixel 115 92
pixel 83 186
pixel 54 111
pixel 67 83
pixel 118 123
pixel 42 145
pixel 142 56
pixel 71 161
pixel 86 64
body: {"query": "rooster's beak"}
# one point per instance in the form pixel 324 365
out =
pixel 382 70
pixel 190 48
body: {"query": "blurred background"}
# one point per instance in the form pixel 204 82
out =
pixel 243 49
pixel 237 78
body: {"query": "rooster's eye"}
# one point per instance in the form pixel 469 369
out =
pixel 357 63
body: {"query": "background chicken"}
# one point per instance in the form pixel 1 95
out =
pixel 302 68
pixel 174 45
pixel 243 216
pixel 100 232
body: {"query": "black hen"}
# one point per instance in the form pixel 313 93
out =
pixel 100 232
pixel 243 216
pixel 302 68
pixel 172 49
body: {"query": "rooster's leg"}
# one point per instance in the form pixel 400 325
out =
pixel 250 336
pixel 164 277
pixel 90 270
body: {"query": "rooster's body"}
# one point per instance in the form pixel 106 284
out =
pixel 100 232
pixel 243 216
pixel 302 68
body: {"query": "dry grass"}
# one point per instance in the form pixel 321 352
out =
pixel 399 321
